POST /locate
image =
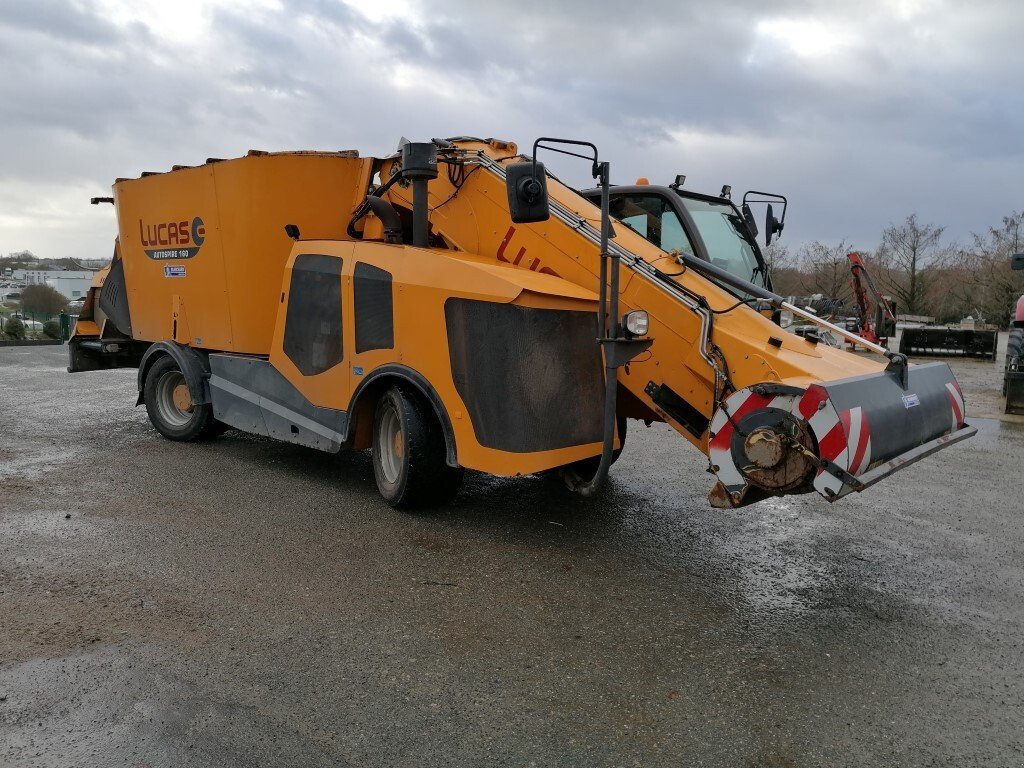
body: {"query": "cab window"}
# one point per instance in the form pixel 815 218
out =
pixel 651 217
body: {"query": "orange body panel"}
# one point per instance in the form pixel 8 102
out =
pixel 423 280
pixel 227 218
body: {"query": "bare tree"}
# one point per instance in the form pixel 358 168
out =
pixel 787 278
pixel 826 269
pixel 984 281
pixel 906 253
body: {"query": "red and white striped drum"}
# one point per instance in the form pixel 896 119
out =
pixel 834 437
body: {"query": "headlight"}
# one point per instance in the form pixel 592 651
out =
pixel 636 322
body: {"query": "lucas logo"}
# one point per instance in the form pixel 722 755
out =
pixel 172 239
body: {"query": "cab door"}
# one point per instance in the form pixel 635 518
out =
pixel 311 348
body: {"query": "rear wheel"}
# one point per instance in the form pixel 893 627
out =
pixel 409 453
pixel 170 406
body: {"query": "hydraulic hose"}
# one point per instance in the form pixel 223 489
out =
pixel 382 209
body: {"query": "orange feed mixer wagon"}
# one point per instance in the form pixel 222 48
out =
pixel 454 306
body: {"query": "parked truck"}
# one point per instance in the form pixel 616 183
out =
pixel 453 306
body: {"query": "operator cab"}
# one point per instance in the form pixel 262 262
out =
pixel 707 227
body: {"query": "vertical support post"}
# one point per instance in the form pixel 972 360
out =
pixel 603 325
pixel 609 331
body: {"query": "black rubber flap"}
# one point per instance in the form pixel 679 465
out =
pixel 1015 392
pixel 114 299
pixel 531 378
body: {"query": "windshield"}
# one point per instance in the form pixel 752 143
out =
pixel 721 228
pixel 725 235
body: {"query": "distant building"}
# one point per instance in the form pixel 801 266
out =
pixel 72 283
pixel 30 276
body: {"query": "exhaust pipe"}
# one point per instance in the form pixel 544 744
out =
pixel 419 165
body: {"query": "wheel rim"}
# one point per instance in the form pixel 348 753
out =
pixel 390 445
pixel 173 400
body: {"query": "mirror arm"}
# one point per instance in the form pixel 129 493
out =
pixel 609 324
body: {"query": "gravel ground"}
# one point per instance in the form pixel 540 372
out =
pixel 249 603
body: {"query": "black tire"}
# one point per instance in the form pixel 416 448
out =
pixel 409 453
pixel 580 472
pixel 1014 349
pixel 1015 344
pixel 172 417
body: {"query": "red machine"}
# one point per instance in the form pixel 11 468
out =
pixel 877 321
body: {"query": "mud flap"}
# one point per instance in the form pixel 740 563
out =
pixel 1015 392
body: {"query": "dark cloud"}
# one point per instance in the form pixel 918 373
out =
pixel 860 112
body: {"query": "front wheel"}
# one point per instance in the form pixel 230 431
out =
pixel 170 407
pixel 409 453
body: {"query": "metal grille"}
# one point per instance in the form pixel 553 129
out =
pixel 374 304
pixel 531 379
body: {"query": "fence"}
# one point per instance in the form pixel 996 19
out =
pixel 33 323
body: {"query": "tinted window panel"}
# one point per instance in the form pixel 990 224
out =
pixel 312 330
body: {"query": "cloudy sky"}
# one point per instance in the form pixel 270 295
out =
pixel 861 112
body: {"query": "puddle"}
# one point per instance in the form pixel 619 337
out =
pixel 777 556
pixel 34 465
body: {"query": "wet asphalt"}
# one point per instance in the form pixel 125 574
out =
pixel 248 603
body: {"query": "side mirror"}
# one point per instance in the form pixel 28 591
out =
pixel 527 187
pixel 1017 261
pixel 771 226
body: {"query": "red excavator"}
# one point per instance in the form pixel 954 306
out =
pixel 876 319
